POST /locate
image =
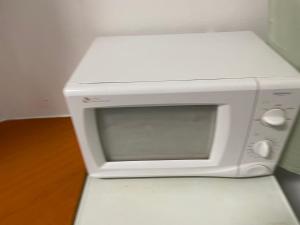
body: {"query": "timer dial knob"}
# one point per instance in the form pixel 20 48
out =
pixel 263 148
pixel 274 117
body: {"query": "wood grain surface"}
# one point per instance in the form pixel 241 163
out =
pixel 41 172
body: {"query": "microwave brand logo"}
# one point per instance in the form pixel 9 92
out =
pixel 93 99
pixel 282 93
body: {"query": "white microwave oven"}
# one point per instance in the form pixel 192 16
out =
pixel 215 104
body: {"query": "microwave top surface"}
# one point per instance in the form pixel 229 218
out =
pixel 168 57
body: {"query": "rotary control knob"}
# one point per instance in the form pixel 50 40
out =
pixel 274 117
pixel 263 148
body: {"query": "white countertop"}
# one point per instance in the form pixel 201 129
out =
pixel 184 201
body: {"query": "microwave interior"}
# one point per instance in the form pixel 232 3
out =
pixel 156 132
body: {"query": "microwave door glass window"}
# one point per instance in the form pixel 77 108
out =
pixel 156 133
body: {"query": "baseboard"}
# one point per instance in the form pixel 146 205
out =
pixel 35 117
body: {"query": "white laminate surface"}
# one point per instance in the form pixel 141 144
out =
pixel 188 201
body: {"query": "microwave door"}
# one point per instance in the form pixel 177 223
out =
pixel 189 201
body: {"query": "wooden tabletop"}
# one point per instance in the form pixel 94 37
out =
pixel 41 171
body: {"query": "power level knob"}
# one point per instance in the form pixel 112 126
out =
pixel 263 148
pixel 274 117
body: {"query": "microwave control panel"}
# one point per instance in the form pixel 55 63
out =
pixel 277 107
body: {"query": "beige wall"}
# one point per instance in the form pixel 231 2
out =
pixel 41 41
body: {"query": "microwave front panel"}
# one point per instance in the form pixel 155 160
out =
pixel 164 129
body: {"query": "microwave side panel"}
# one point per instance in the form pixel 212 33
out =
pixel 235 99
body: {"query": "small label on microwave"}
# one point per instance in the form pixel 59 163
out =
pixel 93 99
pixel 282 93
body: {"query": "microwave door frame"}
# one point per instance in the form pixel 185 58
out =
pixel 235 99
